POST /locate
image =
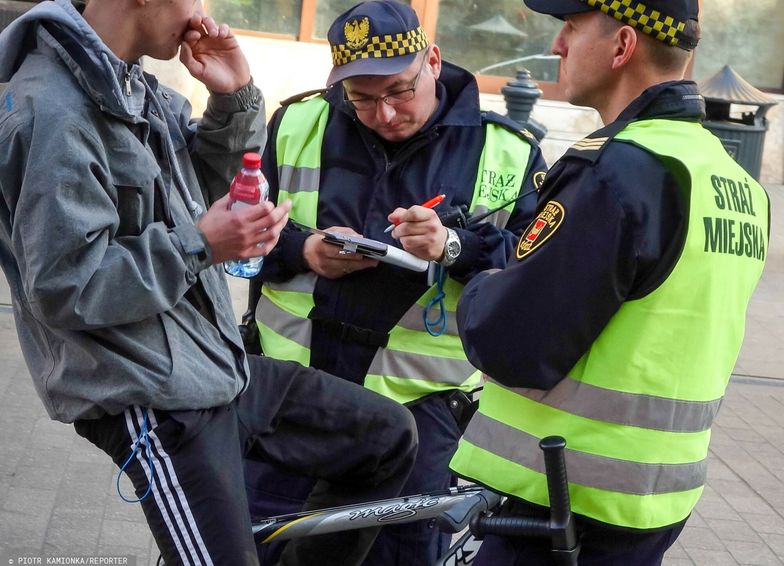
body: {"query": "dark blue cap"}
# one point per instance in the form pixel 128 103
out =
pixel 664 20
pixel 374 38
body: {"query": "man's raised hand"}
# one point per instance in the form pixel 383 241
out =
pixel 212 55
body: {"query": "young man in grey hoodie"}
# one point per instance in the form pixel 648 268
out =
pixel 113 227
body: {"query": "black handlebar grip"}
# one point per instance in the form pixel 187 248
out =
pixel 557 485
pixel 559 528
pixel 562 529
pixel 509 526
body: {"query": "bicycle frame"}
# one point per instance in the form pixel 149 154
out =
pixel 361 515
pixel 454 509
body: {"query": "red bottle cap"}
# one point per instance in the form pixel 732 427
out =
pixel 245 187
pixel 251 160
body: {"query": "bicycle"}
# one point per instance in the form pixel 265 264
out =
pixel 468 507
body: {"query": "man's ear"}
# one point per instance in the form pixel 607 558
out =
pixel 435 60
pixel 625 45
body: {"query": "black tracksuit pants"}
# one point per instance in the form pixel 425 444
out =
pixel 359 445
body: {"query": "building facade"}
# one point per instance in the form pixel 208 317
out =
pixel 285 41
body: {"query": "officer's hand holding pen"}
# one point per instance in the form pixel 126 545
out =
pixel 419 231
pixel 431 203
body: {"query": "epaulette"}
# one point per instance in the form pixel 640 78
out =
pixel 508 123
pixel 591 147
pixel 302 96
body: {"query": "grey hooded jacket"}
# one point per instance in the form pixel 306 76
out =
pixel 102 173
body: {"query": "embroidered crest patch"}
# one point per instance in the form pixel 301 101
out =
pixel 356 32
pixel 541 229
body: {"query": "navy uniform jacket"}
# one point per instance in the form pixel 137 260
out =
pixel 621 235
pixel 363 179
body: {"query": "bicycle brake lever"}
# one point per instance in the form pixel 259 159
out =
pixel 457 517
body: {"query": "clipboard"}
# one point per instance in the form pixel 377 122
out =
pixel 370 248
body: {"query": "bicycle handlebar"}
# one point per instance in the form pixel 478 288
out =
pixel 458 516
pixel 559 527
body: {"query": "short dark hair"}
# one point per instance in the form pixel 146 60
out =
pixel 668 58
pixel 665 57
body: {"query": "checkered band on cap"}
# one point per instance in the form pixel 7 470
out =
pixel 381 46
pixel 647 20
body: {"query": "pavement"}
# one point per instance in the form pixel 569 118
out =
pixel 58 498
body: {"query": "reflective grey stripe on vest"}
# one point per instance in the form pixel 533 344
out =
pixel 585 469
pixel 409 366
pixel 283 322
pixel 299 179
pixel 303 283
pixel 293 327
pixel 412 320
pixel 644 411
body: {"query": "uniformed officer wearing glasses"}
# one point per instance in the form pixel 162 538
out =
pixel 396 127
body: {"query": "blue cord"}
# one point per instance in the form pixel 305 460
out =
pixel 438 326
pixel 144 438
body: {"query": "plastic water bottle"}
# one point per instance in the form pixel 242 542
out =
pixel 249 187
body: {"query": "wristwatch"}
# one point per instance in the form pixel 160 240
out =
pixel 452 248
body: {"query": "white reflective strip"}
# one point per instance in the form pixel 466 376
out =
pixel 412 320
pixel 179 494
pixel 302 283
pixel 405 365
pixel 635 409
pixel 173 532
pixel 298 179
pixel 591 470
pixel 296 329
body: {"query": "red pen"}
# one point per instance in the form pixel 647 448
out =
pixel 432 203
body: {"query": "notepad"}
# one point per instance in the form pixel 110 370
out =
pixel 371 248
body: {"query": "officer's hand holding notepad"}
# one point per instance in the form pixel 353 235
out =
pixel 370 248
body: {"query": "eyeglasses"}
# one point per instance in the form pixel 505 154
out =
pixel 393 98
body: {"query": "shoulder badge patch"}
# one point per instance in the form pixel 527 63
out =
pixel 527 134
pixel 540 230
pixel 590 144
pixel 539 179
pixel 356 32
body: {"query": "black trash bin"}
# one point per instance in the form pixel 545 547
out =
pixel 741 130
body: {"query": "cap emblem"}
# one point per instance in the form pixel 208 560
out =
pixel 357 32
pixel 379 46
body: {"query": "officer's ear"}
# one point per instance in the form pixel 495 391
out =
pixel 624 45
pixel 434 60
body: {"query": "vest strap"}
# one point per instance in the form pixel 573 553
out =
pixel 348 332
